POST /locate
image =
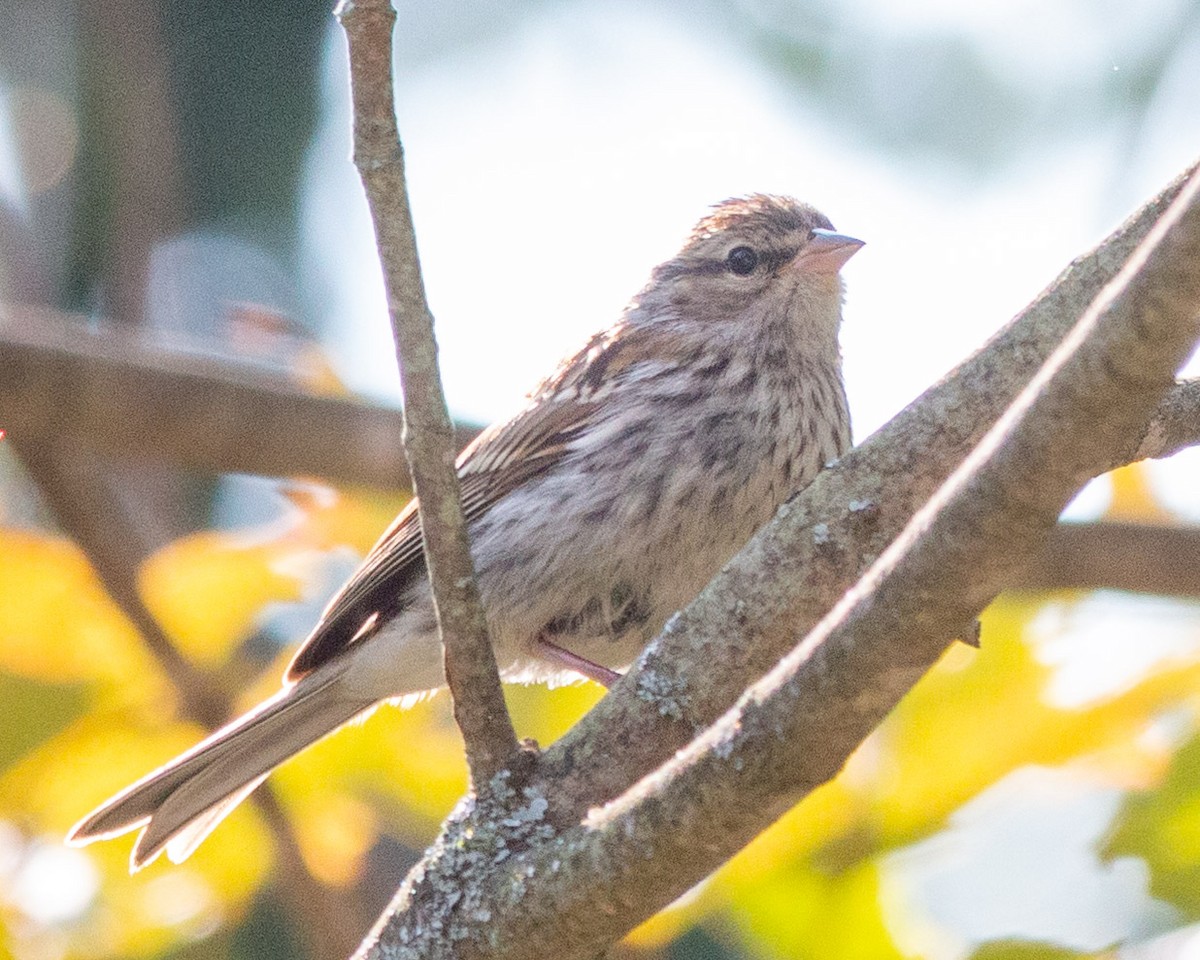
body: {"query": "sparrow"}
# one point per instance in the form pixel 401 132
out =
pixel 627 480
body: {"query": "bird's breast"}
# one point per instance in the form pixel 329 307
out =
pixel 649 505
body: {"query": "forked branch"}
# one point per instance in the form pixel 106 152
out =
pixel 569 893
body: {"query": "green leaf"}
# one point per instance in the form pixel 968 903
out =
pixel 1025 950
pixel 1162 826
pixel 696 943
pixel 804 912
pixel 34 712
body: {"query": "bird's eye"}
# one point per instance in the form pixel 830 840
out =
pixel 742 260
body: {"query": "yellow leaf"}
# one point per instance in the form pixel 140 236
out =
pixel 1162 827
pixel 208 589
pixel 1133 499
pixel 411 759
pixel 981 714
pixel 34 712
pixel 354 517
pixel 334 837
pixel 544 714
pixel 56 621
pixel 802 912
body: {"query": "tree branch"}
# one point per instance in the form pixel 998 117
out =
pixel 817 546
pixel 113 391
pixel 105 389
pixel 1140 558
pixel 471 671
pixel 90 510
pixel 1176 423
pixel 570 894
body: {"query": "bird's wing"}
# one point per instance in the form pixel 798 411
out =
pixel 498 461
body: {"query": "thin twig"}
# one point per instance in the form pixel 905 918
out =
pixel 795 728
pixel 471 672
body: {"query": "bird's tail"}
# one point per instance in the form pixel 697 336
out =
pixel 179 804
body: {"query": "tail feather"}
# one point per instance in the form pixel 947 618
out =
pixel 179 804
pixel 183 843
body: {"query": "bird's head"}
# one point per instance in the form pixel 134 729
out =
pixel 756 259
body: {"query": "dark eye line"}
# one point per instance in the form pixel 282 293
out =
pixel 774 259
pixel 771 259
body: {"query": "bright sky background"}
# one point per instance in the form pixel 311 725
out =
pixel 549 172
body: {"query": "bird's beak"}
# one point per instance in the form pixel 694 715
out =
pixel 826 252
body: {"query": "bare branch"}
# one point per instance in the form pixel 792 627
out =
pixel 1140 558
pixel 134 401
pixel 75 486
pixel 794 729
pixel 115 392
pixel 471 672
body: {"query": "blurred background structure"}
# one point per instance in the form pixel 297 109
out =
pixel 191 319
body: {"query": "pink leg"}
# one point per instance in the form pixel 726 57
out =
pixel 572 661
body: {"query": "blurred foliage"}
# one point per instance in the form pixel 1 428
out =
pixel 1162 825
pixel 88 711
pixel 1025 950
pixel 954 92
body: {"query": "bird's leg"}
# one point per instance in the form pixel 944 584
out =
pixel 573 661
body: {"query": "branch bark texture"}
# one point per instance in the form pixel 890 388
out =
pixel 471 672
pixel 1176 423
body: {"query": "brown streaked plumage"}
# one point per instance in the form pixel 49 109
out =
pixel 631 475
